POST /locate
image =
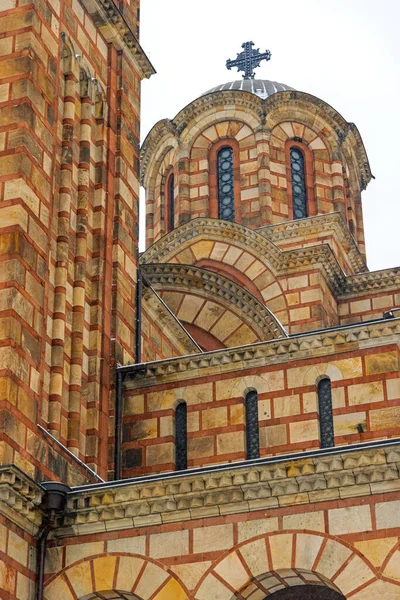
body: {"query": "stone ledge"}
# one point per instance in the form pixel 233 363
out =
pixel 20 498
pixel 233 490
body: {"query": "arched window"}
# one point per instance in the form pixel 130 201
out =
pixel 181 436
pixel 252 435
pixel 299 186
pixel 170 190
pixel 225 183
pixel 327 436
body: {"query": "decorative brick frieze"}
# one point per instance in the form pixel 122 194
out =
pixel 233 490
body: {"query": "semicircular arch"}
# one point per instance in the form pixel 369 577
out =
pixel 142 578
pixel 336 563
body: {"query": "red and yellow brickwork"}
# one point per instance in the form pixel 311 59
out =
pixel 265 304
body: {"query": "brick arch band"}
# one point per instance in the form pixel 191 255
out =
pixel 128 576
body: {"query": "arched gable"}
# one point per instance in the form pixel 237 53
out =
pixel 232 245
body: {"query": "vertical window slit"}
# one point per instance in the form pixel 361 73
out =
pixel 252 433
pixel 181 436
pixel 226 192
pixel 327 437
pixel 299 189
pixel 171 202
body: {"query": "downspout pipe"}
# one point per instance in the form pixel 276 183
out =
pixel 118 423
pixel 119 376
pixel 139 291
pixel 53 505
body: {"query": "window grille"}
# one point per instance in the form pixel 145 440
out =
pixel 299 190
pixel 225 177
pixel 252 433
pixel 327 437
pixel 181 436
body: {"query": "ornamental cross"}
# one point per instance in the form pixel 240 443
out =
pixel 248 60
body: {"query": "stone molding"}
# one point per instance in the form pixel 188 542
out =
pixel 232 295
pixel 314 226
pixel 268 112
pixel 233 490
pixel 387 279
pixel 262 354
pixel 20 498
pixel 115 30
pixel 280 262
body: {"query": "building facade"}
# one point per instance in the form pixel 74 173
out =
pixel 222 413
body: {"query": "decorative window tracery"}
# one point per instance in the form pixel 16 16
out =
pixel 226 191
pixel 181 436
pixel 252 433
pixel 327 435
pixel 299 187
pixel 171 201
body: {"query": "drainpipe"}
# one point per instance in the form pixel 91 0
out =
pixel 118 424
pixel 53 505
pixel 119 378
pixel 139 289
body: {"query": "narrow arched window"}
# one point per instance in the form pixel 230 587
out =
pixel 181 436
pixel 327 437
pixel 226 187
pixel 252 434
pixel 171 201
pixel 299 188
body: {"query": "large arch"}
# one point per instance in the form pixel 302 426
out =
pixel 213 302
pixel 128 576
pixel 279 558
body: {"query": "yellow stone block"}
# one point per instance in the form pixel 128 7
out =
pixel 128 571
pixel 172 543
pixel 214 417
pixel 286 406
pixel 392 568
pixel 255 557
pixel 365 393
pixel 350 519
pixel 151 579
pixel 202 249
pixel 191 573
pixel 384 362
pixel 385 418
pixel 376 550
pixel 58 589
pixel 231 569
pixel 281 551
pixel 333 557
pixel 307 548
pixel 211 539
pixel 229 443
pixel 75 552
pixel 171 591
pixel 304 431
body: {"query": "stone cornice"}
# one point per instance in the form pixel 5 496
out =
pixel 208 283
pixel 115 30
pixel 20 498
pixel 367 283
pixel 233 489
pixel 267 113
pixel 317 225
pixel 274 352
pixel 281 262
pixel 165 318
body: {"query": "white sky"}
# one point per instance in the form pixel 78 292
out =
pixel 346 52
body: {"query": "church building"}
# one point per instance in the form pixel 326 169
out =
pixel 217 418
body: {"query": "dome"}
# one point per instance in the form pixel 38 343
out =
pixel 260 87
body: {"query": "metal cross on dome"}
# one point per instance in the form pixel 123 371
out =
pixel 248 60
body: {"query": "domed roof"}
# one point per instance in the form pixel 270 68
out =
pixel 260 87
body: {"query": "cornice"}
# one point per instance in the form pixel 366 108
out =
pixel 116 30
pixel 280 262
pixel 20 498
pixel 273 352
pixel 317 225
pixel 209 283
pixel 233 490
pixel 387 279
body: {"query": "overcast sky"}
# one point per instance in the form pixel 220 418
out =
pixel 346 52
